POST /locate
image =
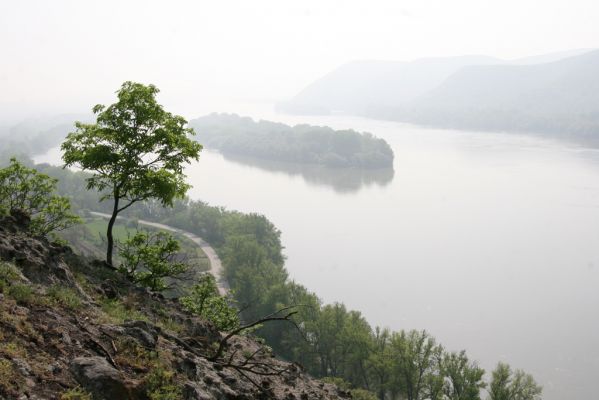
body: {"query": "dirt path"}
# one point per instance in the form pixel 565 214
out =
pixel 216 267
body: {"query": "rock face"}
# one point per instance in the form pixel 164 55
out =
pixel 100 336
pixel 100 378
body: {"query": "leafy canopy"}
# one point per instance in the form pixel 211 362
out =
pixel 28 190
pixel 150 258
pixel 135 149
pixel 204 300
pixel 513 385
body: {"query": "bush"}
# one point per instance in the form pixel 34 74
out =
pixel 8 275
pixel 26 189
pixel 150 258
pixel 21 293
pixel 161 385
pixel 205 302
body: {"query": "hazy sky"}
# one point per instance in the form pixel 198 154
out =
pixel 65 56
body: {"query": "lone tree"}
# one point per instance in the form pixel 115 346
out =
pixel 135 151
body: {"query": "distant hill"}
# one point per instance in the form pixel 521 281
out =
pixel 357 86
pixel 37 135
pixel 555 93
pixel 560 98
pixel 303 144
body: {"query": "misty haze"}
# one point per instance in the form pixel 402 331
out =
pixel 319 200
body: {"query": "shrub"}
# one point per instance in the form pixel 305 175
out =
pixel 8 275
pixel 26 189
pixel 160 384
pixel 149 258
pixel 21 293
pixel 204 301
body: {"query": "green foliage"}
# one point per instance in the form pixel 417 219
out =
pixel 132 354
pixel 464 379
pixel 150 258
pixel 56 216
pixel 65 296
pixel 135 151
pixel 513 385
pixel 339 382
pixel 361 394
pixel 8 275
pixel 23 188
pixel 299 144
pixel 22 293
pixel 118 312
pixel 160 384
pixel 205 301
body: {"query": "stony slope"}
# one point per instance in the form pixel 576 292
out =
pixel 71 328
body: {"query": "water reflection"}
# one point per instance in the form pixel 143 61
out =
pixel 341 180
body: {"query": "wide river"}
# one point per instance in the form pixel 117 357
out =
pixel 488 241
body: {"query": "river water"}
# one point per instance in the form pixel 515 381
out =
pixel 488 241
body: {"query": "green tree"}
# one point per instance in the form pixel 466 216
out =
pixel 150 258
pixel 26 189
pixel 204 301
pixel 513 385
pixel 380 361
pixel 464 379
pixel 135 151
pixel 416 356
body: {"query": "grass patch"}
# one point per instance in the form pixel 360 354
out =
pixel 75 394
pixel 117 312
pixel 170 324
pixel 131 354
pixel 13 349
pixel 65 297
pixel 9 274
pixel 10 381
pixel 22 294
pixel 160 384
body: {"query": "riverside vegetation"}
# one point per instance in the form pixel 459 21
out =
pixel 329 341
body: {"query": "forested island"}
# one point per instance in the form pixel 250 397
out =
pixel 305 144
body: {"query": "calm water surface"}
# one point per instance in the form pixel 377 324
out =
pixel 488 241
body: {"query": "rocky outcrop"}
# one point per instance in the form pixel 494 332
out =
pixel 101 379
pixel 72 326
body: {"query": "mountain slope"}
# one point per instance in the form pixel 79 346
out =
pixel 360 85
pixel 561 97
pixel 71 328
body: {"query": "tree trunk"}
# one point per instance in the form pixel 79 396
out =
pixel 109 237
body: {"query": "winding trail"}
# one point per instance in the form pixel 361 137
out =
pixel 216 267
